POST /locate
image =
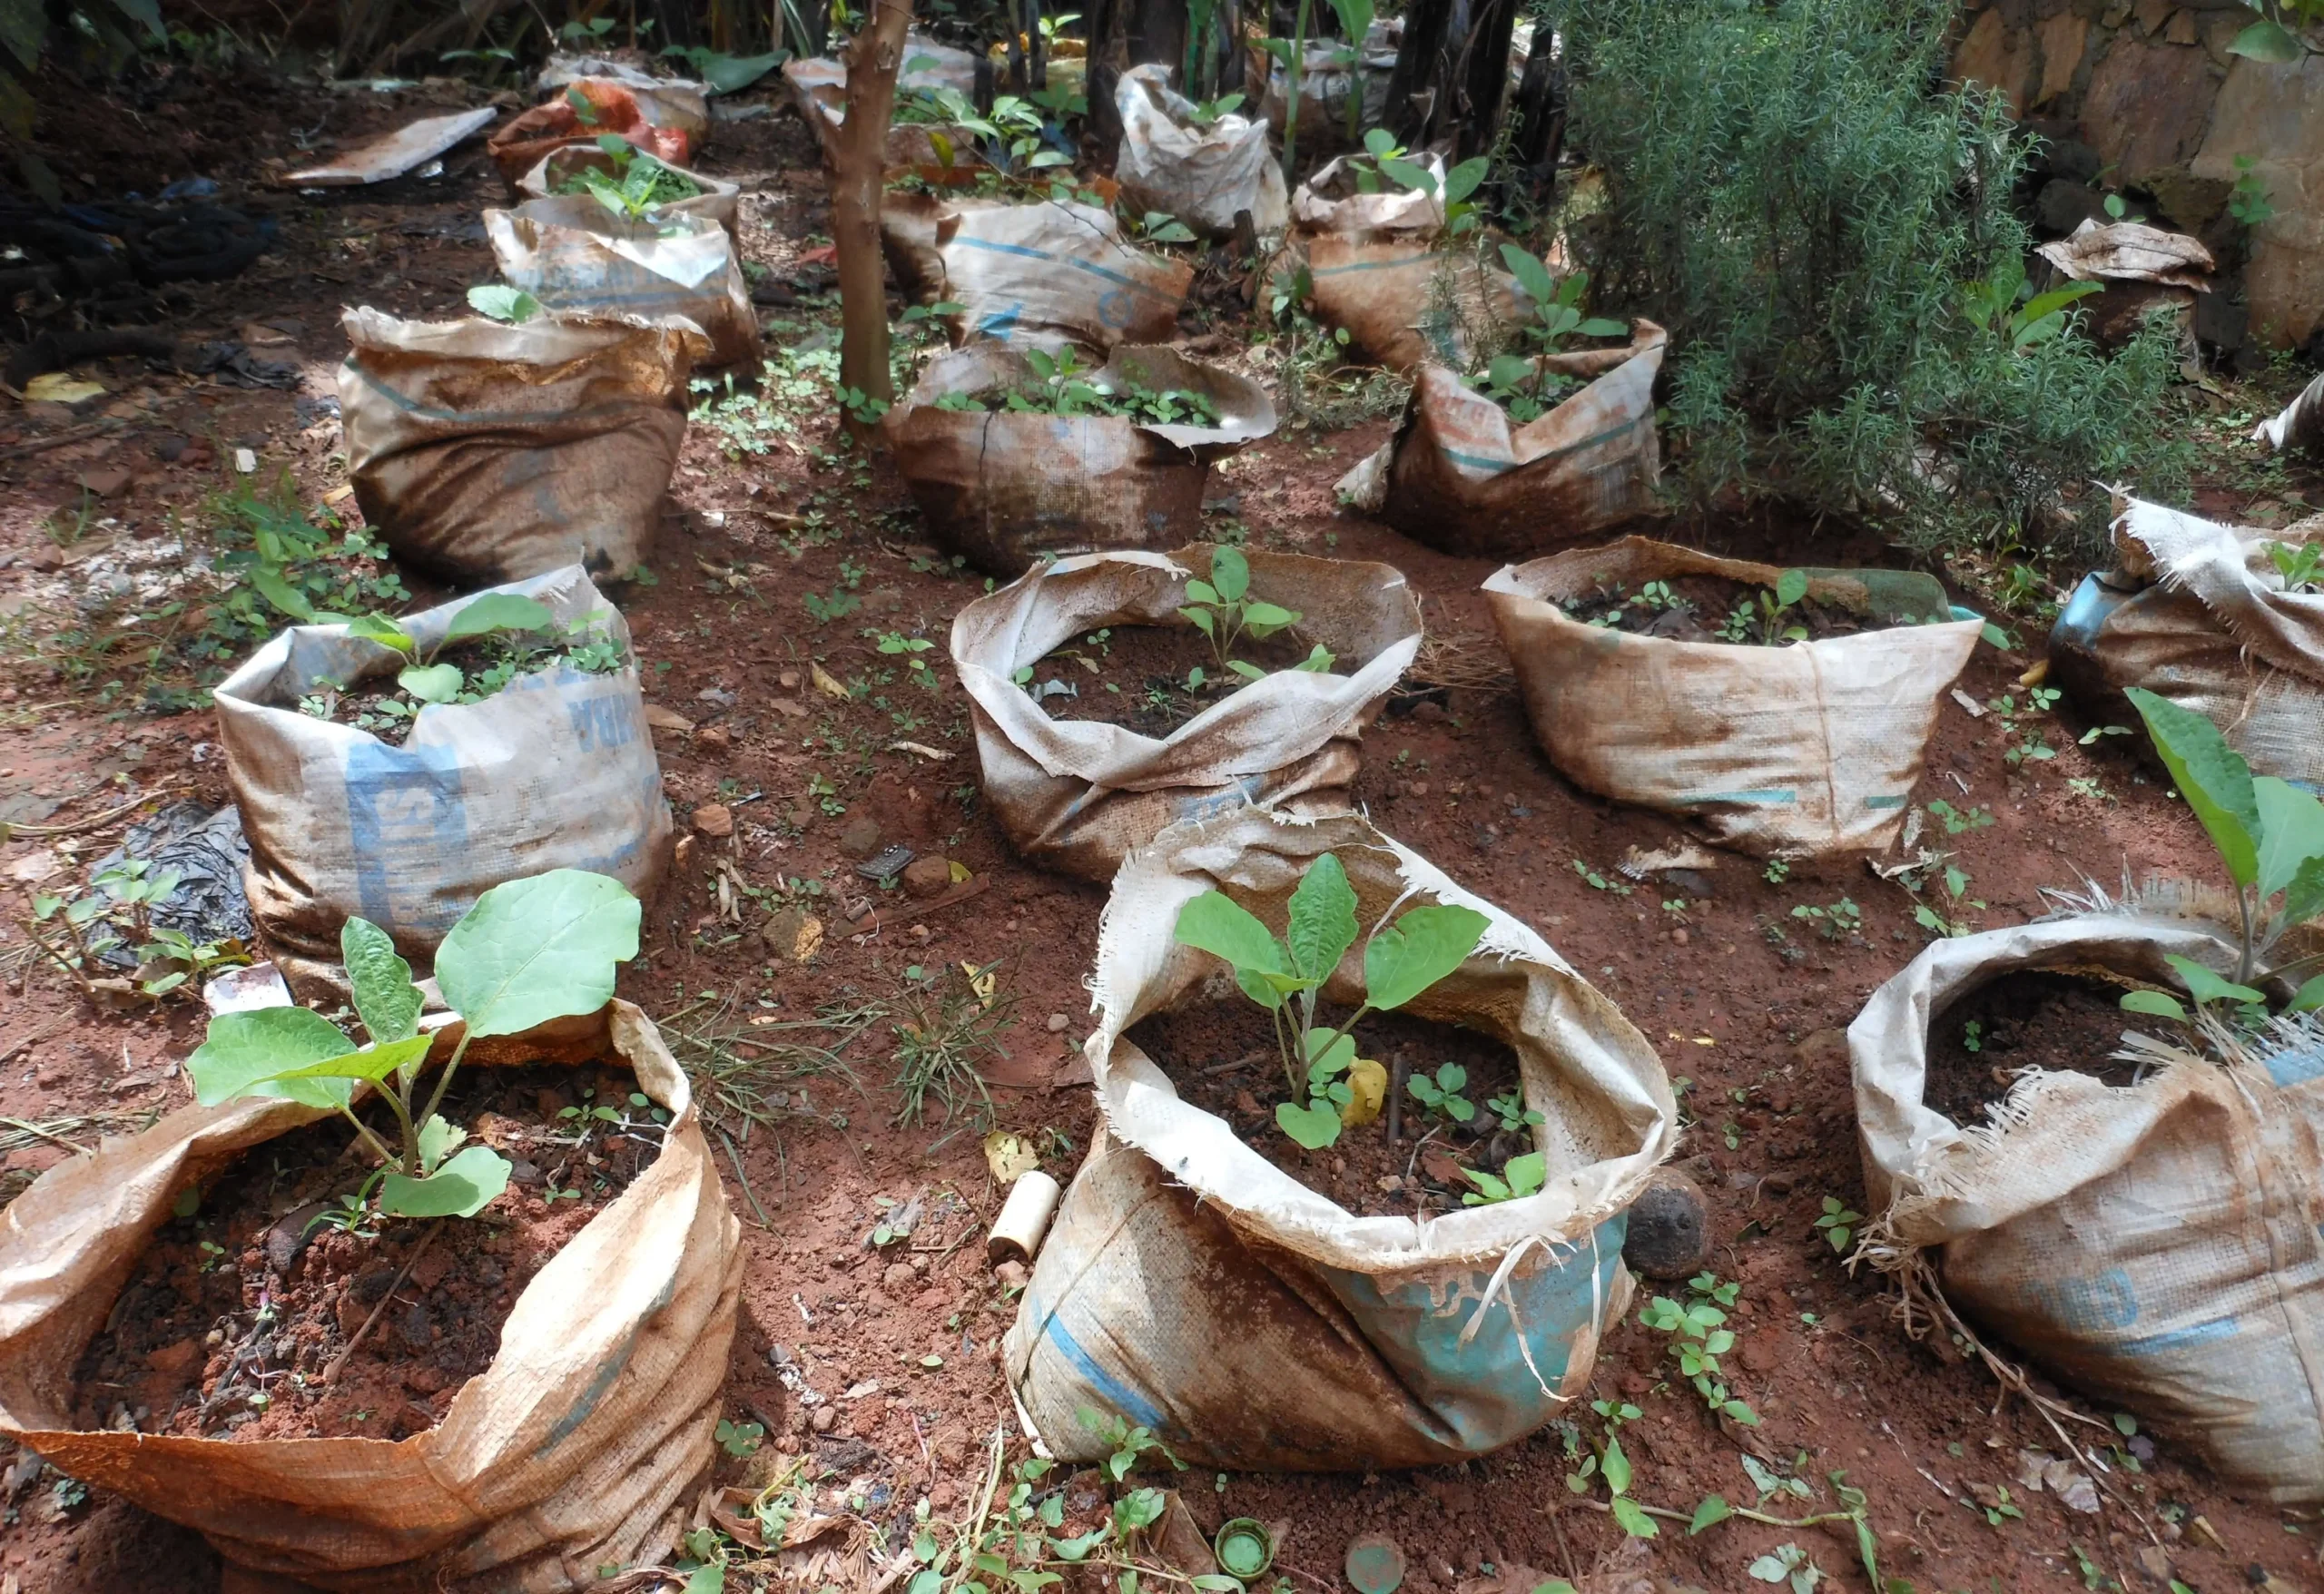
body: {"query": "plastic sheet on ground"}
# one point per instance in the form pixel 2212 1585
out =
pixel 2154 1246
pixel 2127 252
pixel 584 1444
pixel 1192 1287
pixel 1788 751
pixel 494 452
pixel 2298 425
pixel 1002 487
pixel 521 145
pixel 579 259
pixel 1458 476
pixel 1055 272
pixel 558 771
pixel 2198 614
pixel 413 145
pixel 1201 175
pixel 1076 795
pixel 719 200
pixel 818 86
pixel 206 847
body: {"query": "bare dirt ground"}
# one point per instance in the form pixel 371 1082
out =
pixel 899 1347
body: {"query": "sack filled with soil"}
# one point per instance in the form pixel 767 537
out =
pixel 1326 86
pixel 1404 301
pixel 653 125
pixel 2147 1233
pixel 579 259
pixel 1201 175
pixel 1076 795
pixel 1786 712
pixel 1054 273
pixel 406 814
pixel 1338 201
pixel 581 1443
pixel 1463 475
pixel 1199 1279
pixel 1011 453
pixel 2227 621
pixel 818 89
pixel 564 173
pixel 490 452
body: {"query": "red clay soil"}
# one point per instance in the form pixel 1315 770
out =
pixel 878 1366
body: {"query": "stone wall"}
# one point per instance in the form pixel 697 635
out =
pixel 2144 91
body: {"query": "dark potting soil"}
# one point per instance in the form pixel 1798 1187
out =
pixel 2023 1020
pixel 1136 676
pixel 229 1324
pixel 1694 608
pixel 1222 1058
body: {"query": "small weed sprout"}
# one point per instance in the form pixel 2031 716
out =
pixel 1222 610
pixel 1789 1564
pixel 1837 1224
pixel 1779 870
pixel 1835 921
pixel 2301 567
pixel 1763 621
pixel 739 1439
pixel 1700 1337
pixel 1441 1095
pixel 1509 1110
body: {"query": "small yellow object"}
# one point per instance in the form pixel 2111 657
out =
pixel 62 388
pixel 959 870
pixel 981 983
pixel 824 683
pixel 1368 1083
pixel 1010 1156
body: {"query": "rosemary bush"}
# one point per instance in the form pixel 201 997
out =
pixel 1799 199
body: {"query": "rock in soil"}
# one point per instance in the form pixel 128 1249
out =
pixel 928 877
pixel 1666 1231
pixel 861 839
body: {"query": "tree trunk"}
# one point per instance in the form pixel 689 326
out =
pixel 1481 71
pixel 1539 114
pixel 858 168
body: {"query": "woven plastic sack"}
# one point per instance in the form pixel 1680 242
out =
pixel 818 86
pixel 1052 273
pixel 1190 1285
pixel 1405 303
pixel 1325 84
pixel 613 108
pixel 579 259
pixel 1076 795
pixel 1458 476
pixel 1201 175
pixel 719 200
pixel 1786 752
pixel 490 452
pixel 2298 425
pixel 582 1445
pixel 558 771
pixel 681 103
pixel 2198 614
pixel 1001 488
pixel 2153 1245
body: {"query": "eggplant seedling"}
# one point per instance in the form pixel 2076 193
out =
pixel 1224 610
pixel 1401 961
pixel 529 952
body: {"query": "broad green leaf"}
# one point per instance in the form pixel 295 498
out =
pixel 502 302
pixel 2210 775
pixel 1404 958
pixel 1249 672
pixel 281 594
pixel 2304 898
pixel 1462 180
pixel 2057 299
pixel 1600 327
pixel 385 997
pixel 2207 987
pixel 500 611
pixel 1526 1172
pixel 1199 617
pixel 1201 592
pixel 376 628
pixel 1273 616
pixel 439 1138
pixel 727 73
pixel 2154 1004
pixel 1314 1127
pixel 1379 141
pixel 1791 586
pixel 2308 997
pixel 1329 1055
pixel 536 950
pixel 432 683
pixel 1230 573
pixel 1322 918
pixel 1713 1510
pixel 1409 173
pixel 2269 41
pixel 1531 275
pixel 1260 988
pixel 1217 924
pixel 244 1052
pixel 1507 370
pixel 710 1578
pixel 373 1063
pixel 460 1188
pixel 2292 831
pixel 1489 1188
pixel 1615 1467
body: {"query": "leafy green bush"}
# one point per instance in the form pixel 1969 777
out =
pixel 1824 229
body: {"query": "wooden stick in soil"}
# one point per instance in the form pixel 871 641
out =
pixel 858 170
pixel 331 1373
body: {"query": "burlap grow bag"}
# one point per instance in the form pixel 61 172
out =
pixel 2198 614
pixel 1001 488
pixel 1202 175
pixel 491 452
pixel 579 259
pixel 1055 272
pixel 1792 750
pixel 1458 476
pixel 1192 1287
pixel 2155 1244
pixel 1077 795
pixel 718 201
pixel 556 772
pixel 578 1447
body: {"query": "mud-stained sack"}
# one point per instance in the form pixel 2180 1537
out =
pixel 1001 488
pixel 490 452
pixel 1190 1285
pixel 2153 1245
pixel 2298 425
pixel 579 259
pixel 1076 795
pixel 681 103
pixel 1201 175
pixel 584 1444
pixel 1783 752
pixel 818 89
pixel 1405 303
pixel 1459 478
pixel 558 771
pixel 1052 273
pixel 719 200
pixel 522 144
pixel 1332 201
pixel 1325 83
pixel 2198 614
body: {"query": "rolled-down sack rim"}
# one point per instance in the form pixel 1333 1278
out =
pixel 548 340
pixel 718 200
pixel 1140 970
pixel 2229 570
pixel 1247 413
pixel 1368 215
pixel 475 1496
